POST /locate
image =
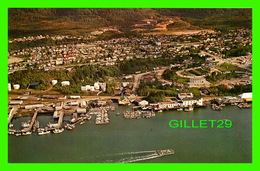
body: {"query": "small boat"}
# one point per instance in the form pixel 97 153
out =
pixel 118 114
pixel 11 133
pixel 216 107
pixel 180 109
pixel 189 109
pixel 81 123
pixel 160 111
pixel 27 133
pixel 70 126
pixel 18 134
pixel 40 129
pixel 44 132
pixel 57 131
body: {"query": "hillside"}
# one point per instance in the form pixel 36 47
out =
pixel 33 21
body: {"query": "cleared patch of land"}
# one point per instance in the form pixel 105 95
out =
pixel 12 59
pixel 183 32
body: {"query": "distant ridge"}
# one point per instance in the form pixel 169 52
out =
pixel 33 21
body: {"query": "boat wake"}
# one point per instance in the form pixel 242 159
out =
pixel 137 152
pixel 130 157
pixel 138 158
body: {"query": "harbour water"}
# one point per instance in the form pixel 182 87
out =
pixel 135 140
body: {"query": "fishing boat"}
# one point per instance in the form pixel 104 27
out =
pixel 18 134
pixel 57 131
pixel 70 126
pixel 81 123
pixel 189 109
pixel 180 109
pixel 27 133
pixel 216 107
pixel 11 133
pixel 44 132
pixel 40 129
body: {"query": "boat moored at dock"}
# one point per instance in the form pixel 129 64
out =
pixel 27 133
pixel 58 130
pixel 44 132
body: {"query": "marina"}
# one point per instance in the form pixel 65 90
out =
pixel 97 144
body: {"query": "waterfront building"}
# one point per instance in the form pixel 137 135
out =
pixel 33 106
pixel 143 103
pixel 246 96
pixel 192 102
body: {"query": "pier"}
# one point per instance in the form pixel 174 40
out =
pixel 11 114
pixel 31 122
pixel 61 114
pixel 138 114
pixel 102 117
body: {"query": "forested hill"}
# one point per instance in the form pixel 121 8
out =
pixel 24 21
pixel 213 18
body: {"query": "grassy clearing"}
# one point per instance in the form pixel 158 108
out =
pixel 229 67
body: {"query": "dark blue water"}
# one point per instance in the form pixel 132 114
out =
pixel 126 140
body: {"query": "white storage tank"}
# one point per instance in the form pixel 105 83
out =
pixel 96 86
pixel 16 86
pixel 9 87
pixel 65 83
pixel 53 82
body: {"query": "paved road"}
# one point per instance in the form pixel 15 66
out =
pixel 137 78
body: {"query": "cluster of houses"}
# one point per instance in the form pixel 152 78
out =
pixel 104 29
pixel 183 100
pixel 54 37
pixel 110 52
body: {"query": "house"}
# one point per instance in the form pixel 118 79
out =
pixel 33 85
pixel 143 103
pixel 185 95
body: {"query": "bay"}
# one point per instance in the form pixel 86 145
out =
pixel 134 140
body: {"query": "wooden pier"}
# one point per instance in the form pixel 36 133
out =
pixel 32 122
